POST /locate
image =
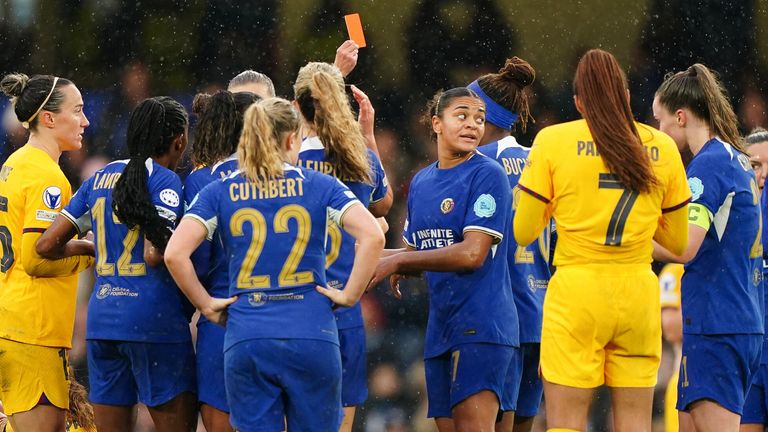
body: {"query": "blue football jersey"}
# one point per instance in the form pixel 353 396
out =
pixel 528 266
pixel 340 246
pixel 764 215
pixel 444 204
pixel 722 284
pixel 131 300
pixel 209 259
pixel 274 240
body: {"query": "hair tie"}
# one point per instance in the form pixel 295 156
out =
pixel 29 120
pixel 495 114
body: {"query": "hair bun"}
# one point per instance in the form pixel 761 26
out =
pixel 14 84
pixel 200 103
pixel 518 71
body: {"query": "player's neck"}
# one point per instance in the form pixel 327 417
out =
pixel 493 134
pixel 697 137
pixel 47 145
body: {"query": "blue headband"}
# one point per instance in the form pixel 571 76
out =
pixel 495 114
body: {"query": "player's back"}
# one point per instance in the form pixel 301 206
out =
pixel 598 219
pixel 33 310
pixel 131 301
pixel 340 248
pixel 274 235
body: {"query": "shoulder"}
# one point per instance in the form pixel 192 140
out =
pixel 198 174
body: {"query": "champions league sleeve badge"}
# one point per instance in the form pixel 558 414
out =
pixel 52 197
pixel 485 206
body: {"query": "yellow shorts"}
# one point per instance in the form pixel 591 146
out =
pixel 27 371
pixel 671 422
pixel 602 325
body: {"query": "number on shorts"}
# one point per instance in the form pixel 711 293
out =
pixel 621 211
pixel 684 363
pixel 455 361
pixel 63 355
pixel 6 262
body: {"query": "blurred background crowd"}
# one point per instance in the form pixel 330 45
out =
pixel 119 52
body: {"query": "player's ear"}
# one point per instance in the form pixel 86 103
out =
pixel 579 106
pixel 437 124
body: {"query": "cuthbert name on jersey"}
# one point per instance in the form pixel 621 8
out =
pixel 433 238
pixel 276 188
pixel 588 148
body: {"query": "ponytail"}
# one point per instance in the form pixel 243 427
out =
pixel 601 88
pixel 698 90
pixel 260 155
pixel 152 127
pixel 319 89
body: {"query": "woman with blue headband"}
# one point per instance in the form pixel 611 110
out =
pixel 506 105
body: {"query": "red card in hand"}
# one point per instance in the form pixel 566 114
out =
pixel 355 29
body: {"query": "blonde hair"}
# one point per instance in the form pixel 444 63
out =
pixel 265 125
pixel 319 91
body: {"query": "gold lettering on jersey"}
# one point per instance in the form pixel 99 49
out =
pixel 513 165
pixel 324 167
pixel 586 148
pixel 224 174
pixel 5 171
pixel 276 188
pixel 105 180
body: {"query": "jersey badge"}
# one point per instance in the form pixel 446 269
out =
pixel 697 188
pixel 447 205
pixel 52 197
pixel 169 197
pixel 485 206
pixel 757 277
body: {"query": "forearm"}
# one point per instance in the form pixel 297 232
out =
pixel 531 216
pixel 672 232
pixel 366 256
pixel 183 272
pixel 454 258
pixel 660 253
pixel 389 252
pixel 72 262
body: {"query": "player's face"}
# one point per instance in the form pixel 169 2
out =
pixel 70 122
pixel 461 126
pixel 758 156
pixel 670 123
pixel 178 145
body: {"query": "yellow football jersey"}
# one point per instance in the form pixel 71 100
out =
pixel 598 220
pixel 669 282
pixel 39 311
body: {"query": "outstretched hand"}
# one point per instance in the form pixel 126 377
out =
pixel 337 296
pixel 346 57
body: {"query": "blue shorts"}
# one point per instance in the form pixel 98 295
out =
pixel 123 373
pixel 756 406
pixel 531 387
pixel 718 368
pixel 271 381
pixel 469 369
pixel 210 366
pixel 354 377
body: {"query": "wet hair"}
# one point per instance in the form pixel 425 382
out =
pixel 758 135
pixel 27 94
pixel 221 121
pixel 153 126
pixel 601 88
pixel 260 155
pixel 252 77
pixel 319 91
pixel 508 87
pixel 698 90
pixel 441 99
pixel 80 412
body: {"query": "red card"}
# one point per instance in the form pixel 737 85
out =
pixel 355 29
